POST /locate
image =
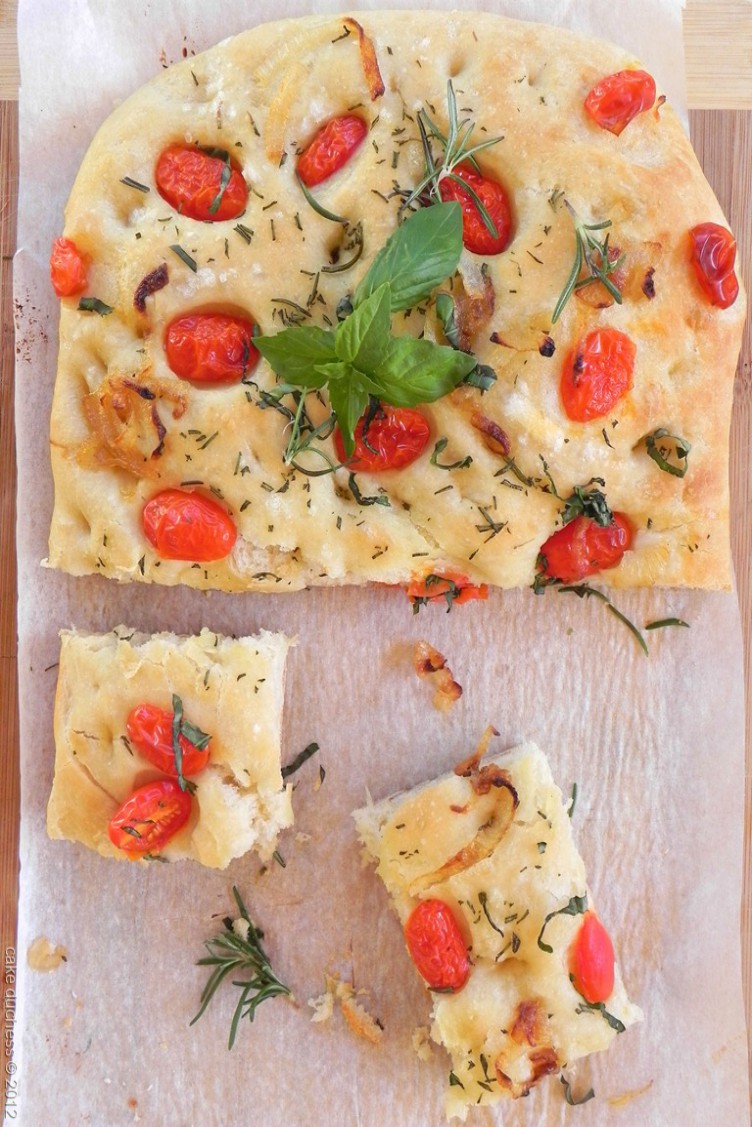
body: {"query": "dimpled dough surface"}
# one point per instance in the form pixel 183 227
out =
pixel 262 95
pixel 231 688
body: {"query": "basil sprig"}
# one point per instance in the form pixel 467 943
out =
pixel 194 735
pixel 361 358
pixel 589 503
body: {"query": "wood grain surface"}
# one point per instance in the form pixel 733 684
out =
pixel 718 40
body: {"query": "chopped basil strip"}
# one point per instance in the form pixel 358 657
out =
pixel 572 1100
pixel 94 305
pixel 439 448
pixel 599 1007
pixel 576 907
pixel 669 452
pixel 299 760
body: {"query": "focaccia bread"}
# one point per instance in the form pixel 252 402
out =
pixel 229 689
pixel 146 402
pixel 492 846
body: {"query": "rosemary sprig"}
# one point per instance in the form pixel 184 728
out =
pixel 455 149
pixel 582 590
pixel 238 949
pixel 593 256
pixel 303 433
pixel 319 208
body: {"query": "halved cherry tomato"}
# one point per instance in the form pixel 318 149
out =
pixel 436 946
pixel 713 257
pixel 331 148
pixel 591 961
pixel 191 180
pixel 617 98
pixel 447 586
pixel 68 269
pixel 583 547
pixel 596 374
pixel 394 438
pixel 149 729
pixel 210 347
pixel 475 235
pixel 183 525
pixel 150 817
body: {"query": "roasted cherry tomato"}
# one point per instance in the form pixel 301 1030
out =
pixel 591 961
pixel 583 547
pixel 436 946
pixel 331 148
pixel 68 269
pixel 445 586
pixel 394 437
pixel 149 729
pixel 182 525
pixel 475 235
pixel 617 98
pixel 150 817
pixel 713 257
pixel 210 347
pixel 596 374
pixel 196 183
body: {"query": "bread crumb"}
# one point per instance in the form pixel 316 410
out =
pixel 356 1016
pixel 43 955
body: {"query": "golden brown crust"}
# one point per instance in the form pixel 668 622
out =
pixel 264 94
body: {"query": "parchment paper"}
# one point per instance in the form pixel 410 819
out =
pixel 655 745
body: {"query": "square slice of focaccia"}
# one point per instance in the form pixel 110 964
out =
pixel 181 455
pixel 228 689
pixel 485 856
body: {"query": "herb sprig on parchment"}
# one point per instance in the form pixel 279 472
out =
pixel 238 950
pixel 361 358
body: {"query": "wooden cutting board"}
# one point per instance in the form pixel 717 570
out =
pixel 718 44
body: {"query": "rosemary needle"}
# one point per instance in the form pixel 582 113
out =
pixel 238 949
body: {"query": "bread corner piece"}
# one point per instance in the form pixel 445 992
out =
pixel 230 688
pixel 507 871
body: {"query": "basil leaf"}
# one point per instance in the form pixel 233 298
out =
pixel 294 353
pixel 419 371
pixel 363 337
pixel 349 399
pixel 421 254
